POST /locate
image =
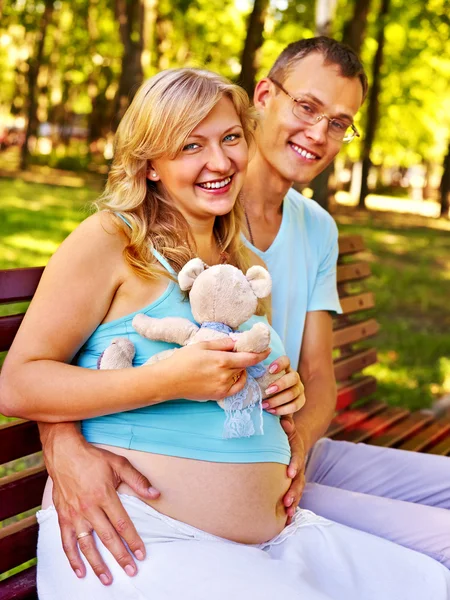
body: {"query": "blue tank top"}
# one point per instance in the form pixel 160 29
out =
pixel 183 428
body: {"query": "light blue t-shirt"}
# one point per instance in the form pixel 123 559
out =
pixel 302 262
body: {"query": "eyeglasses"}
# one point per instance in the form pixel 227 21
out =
pixel 304 109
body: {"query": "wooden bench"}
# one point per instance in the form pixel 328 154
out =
pixel 373 421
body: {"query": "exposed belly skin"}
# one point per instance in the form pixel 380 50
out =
pixel 239 502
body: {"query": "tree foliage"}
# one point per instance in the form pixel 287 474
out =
pixel 95 53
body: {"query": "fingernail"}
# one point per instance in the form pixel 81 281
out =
pixel 129 570
pixel 271 410
pixel 271 389
pixel 273 368
pixel 78 573
pixel 292 473
pixel 153 491
pixel 265 405
pixel 290 501
pixel 139 555
pixel 104 579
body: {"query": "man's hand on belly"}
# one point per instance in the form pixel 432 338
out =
pixel 296 468
pixel 85 479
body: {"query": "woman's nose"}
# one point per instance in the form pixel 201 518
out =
pixel 218 160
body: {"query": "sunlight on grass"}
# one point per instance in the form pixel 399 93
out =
pixel 35 219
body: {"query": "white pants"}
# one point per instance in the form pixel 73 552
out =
pixel 311 559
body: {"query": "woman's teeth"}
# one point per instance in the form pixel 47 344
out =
pixel 215 184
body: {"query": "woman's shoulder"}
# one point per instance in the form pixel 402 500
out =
pixel 97 244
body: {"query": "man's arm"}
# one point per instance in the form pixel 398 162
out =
pixel 85 479
pixel 317 374
pixel 310 423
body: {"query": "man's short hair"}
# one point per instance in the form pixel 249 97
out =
pixel 333 52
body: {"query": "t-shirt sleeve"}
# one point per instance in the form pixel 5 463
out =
pixel 324 295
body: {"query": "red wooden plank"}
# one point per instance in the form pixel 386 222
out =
pixel 428 437
pixel 345 367
pixel 442 447
pixel 403 430
pixel 21 586
pixel 18 439
pixel 21 491
pixel 8 329
pixel 349 244
pixel 352 271
pixel 370 427
pixel 18 285
pixel 357 332
pixel 352 391
pixel 353 416
pixel 352 304
pixel 18 543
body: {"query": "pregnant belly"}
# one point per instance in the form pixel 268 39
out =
pixel 240 502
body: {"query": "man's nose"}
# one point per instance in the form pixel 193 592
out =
pixel 318 132
pixel 218 160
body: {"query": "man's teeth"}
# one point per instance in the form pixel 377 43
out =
pixel 212 185
pixel 303 152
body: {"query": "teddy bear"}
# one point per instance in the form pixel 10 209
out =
pixel 222 297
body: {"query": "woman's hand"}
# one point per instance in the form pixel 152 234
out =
pixel 287 392
pixel 209 370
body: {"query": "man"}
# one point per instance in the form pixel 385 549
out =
pixel 306 109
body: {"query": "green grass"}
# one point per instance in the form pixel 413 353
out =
pixel 410 259
pixel 35 218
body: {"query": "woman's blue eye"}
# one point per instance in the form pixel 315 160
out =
pixel 191 146
pixel 231 137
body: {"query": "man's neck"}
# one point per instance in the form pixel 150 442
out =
pixel 262 196
pixel 264 188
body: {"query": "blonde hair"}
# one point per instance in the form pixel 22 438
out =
pixel 162 115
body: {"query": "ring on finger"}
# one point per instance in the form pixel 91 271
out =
pixel 84 534
pixel 236 377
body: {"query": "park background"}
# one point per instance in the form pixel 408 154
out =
pixel 68 69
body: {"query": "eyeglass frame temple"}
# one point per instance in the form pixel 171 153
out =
pixel 320 117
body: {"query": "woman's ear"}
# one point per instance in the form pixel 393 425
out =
pixel 190 272
pixel 152 174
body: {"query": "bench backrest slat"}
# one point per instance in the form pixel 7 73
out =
pixel 355 332
pixel 19 285
pixel 19 438
pixel 21 491
pixel 18 543
pixel 8 328
pixel 21 586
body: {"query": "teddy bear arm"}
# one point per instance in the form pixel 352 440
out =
pixel 256 339
pixel 174 330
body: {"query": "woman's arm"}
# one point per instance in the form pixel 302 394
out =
pixel 74 295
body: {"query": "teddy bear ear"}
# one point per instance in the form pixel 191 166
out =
pixel 260 281
pixel 190 272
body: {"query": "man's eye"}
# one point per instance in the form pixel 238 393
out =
pixel 307 108
pixel 192 146
pixel 339 126
pixel 231 137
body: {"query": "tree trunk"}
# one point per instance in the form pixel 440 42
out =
pixel 33 72
pixel 355 28
pixel 325 10
pixel 444 188
pixel 253 42
pixel 372 109
pixel 131 17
